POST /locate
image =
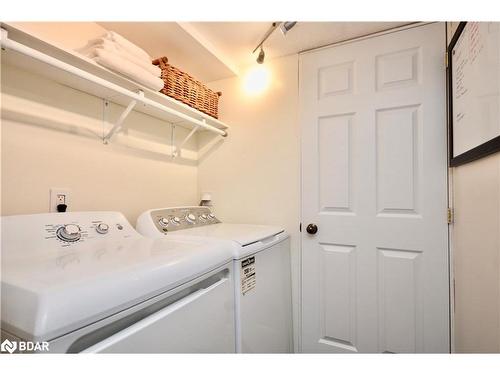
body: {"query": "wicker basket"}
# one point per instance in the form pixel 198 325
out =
pixel 183 87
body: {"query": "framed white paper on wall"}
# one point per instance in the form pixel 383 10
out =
pixel 474 91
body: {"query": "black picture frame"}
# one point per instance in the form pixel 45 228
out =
pixel 487 148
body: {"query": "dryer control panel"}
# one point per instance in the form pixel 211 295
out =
pixel 178 218
pixel 65 229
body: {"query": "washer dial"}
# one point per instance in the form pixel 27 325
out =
pixel 190 218
pixel 69 233
pixel 163 221
pixel 102 228
pixel 175 220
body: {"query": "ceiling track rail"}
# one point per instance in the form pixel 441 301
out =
pixel 135 97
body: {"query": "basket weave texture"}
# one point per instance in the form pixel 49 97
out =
pixel 185 88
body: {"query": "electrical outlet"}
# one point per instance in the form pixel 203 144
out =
pixel 58 196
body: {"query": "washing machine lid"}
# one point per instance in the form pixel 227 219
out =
pixel 242 234
pixel 48 290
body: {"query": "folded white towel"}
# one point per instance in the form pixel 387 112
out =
pixel 128 45
pixel 90 51
pixel 132 71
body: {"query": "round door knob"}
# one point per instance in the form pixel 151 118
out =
pixel 69 233
pixel 312 229
pixel 102 228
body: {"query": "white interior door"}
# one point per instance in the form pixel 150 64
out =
pixel 374 181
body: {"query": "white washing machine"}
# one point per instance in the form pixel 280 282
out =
pixel 88 282
pixel 261 271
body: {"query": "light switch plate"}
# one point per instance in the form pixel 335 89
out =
pixel 59 196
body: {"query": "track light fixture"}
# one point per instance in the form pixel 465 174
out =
pixel 262 55
pixel 284 27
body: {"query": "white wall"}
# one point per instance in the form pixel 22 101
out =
pixel 254 176
pixel 52 137
pixel 476 252
pixel 476 255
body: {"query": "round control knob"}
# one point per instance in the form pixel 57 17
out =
pixel 203 217
pixel 175 220
pixel 102 228
pixel 69 233
pixel 211 216
pixel 163 221
pixel 190 218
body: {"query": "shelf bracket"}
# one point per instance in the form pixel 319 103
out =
pixel 119 123
pixel 176 152
pixel 3 36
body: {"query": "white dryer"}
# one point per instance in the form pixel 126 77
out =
pixel 88 282
pixel 261 271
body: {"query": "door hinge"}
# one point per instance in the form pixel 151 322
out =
pixel 450 215
pixel 446 59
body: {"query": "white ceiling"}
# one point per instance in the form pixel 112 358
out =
pixel 171 40
pixel 216 50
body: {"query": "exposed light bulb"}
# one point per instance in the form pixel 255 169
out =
pixel 257 80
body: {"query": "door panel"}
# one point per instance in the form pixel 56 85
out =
pixel 338 299
pixel 375 276
pixel 398 69
pixel 400 300
pixel 397 150
pixel 334 148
